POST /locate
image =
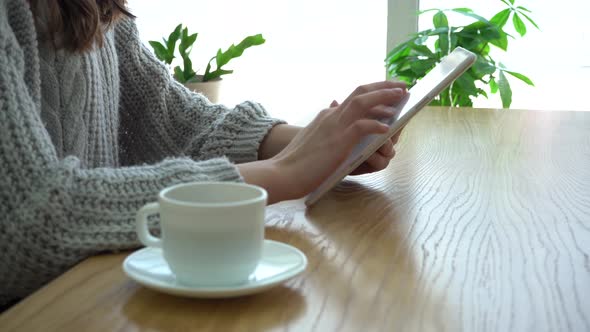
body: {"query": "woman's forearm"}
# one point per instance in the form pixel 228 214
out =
pixel 276 140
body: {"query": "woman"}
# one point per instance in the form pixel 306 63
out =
pixel 92 127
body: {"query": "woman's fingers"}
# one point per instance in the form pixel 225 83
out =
pixel 363 127
pixel 380 112
pixel 364 168
pixel 363 89
pixel 380 159
pixel 386 149
pixel 377 161
pixel 363 106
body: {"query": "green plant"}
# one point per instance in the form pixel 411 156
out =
pixel 412 59
pixel 186 74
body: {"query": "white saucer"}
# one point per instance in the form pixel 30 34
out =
pixel 280 262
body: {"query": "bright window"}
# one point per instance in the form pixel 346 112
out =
pixel 316 51
pixel 557 58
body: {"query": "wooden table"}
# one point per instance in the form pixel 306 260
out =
pixel 481 223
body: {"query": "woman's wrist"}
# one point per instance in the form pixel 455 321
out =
pixel 276 140
pixel 268 172
pixel 268 175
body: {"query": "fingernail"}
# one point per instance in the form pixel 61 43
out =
pixel 389 111
pixel 397 91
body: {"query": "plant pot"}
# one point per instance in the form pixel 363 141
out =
pixel 209 89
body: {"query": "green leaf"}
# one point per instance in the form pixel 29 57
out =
pixel 490 33
pixel 172 39
pixel 461 100
pixel 222 58
pixel 464 85
pixel 420 68
pixel 501 18
pixel 234 51
pixel 160 51
pixel 397 68
pixel 454 41
pixel 471 40
pixel 207 71
pixel 217 74
pixel 175 34
pixel 524 9
pixel 443 44
pixel 399 52
pixel 433 32
pixel 400 47
pixel 420 12
pixel 186 40
pixel 505 90
pixel 182 47
pixel 501 42
pixel 422 50
pixel 520 77
pixel 190 40
pixel 407 76
pixel 463 10
pixel 441 23
pixel 483 93
pixel 530 20
pixel 470 13
pixel 493 85
pixel 188 68
pixel 483 67
pixel 440 20
pixel 179 75
pixel 476 36
pixel 485 51
pixel 519 25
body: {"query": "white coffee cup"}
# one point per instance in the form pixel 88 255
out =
pixel 212 232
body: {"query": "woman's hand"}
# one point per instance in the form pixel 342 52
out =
pixel 318 149
pixel 380 159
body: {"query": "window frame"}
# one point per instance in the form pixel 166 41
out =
pixel 402 21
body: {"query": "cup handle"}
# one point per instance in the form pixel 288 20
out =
pixel 141 225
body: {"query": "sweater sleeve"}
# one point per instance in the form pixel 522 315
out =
pixel 160 117
pixel 54 213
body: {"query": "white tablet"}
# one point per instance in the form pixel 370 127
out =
pixel 430 86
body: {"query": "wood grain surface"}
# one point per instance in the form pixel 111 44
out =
pixel 481 223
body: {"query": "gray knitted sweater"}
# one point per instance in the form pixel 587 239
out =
pixel 87 139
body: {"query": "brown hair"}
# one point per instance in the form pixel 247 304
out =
pixel 78 25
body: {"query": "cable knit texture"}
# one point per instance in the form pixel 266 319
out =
pixel 87 139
